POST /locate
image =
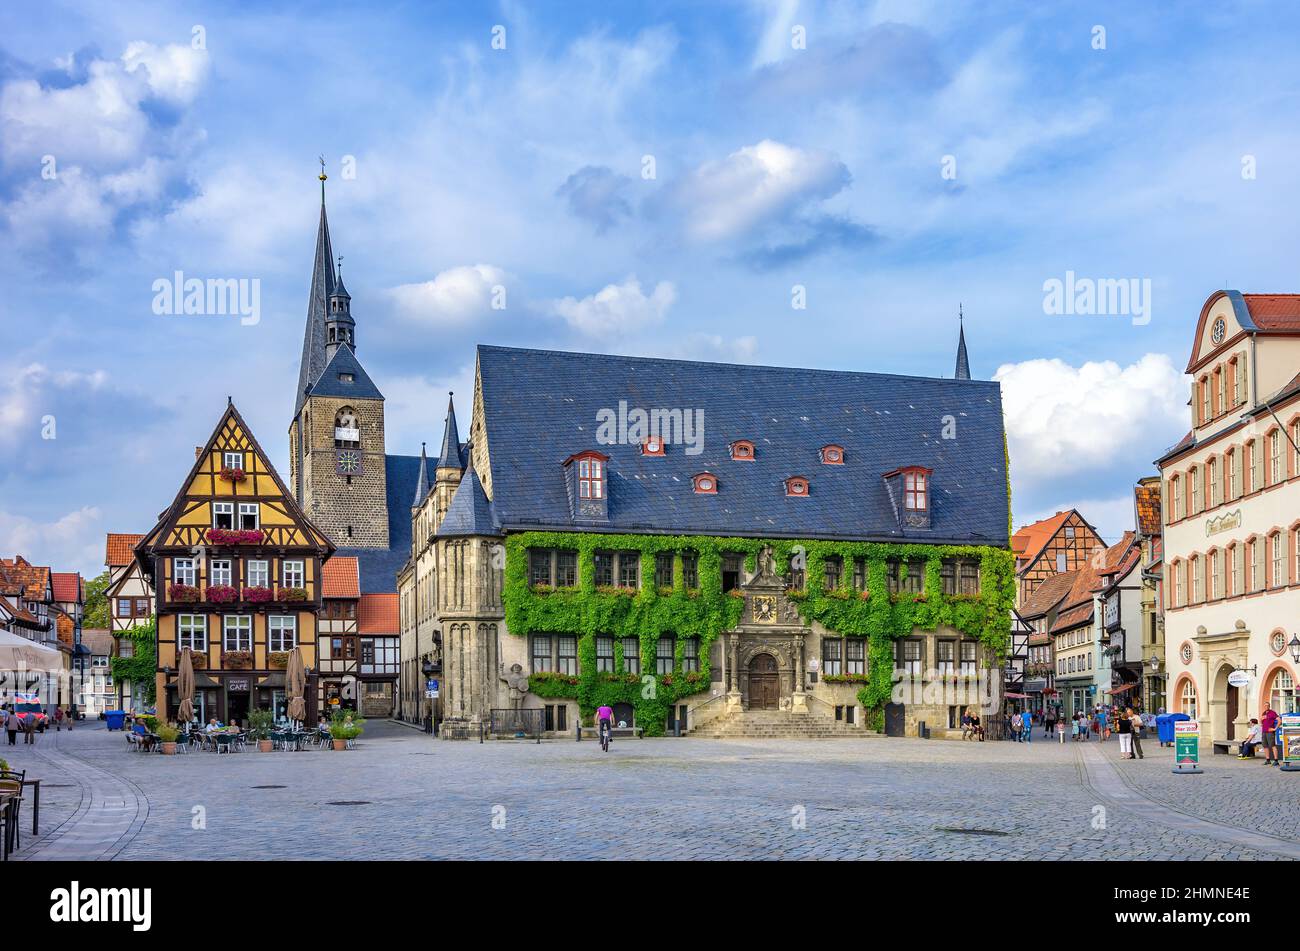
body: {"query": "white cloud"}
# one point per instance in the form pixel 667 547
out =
pixel 1063 420
pixel 73 542
pixel 453 297
pixel 752 187
pixel 714 348
pixel 173 72
pixel 617 309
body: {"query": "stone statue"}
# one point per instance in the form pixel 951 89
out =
pixel 517 681
pixel 766 562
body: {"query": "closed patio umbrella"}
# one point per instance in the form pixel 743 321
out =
pixel 185 687
pixel 296 678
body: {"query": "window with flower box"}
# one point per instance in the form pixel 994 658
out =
pixel 691 569
pixel 250 517
pixel 237 632
pixel 833 572
pixel 292 574
pixel 603 561
pixel 831 648
pixel 232 460
pixel 541 653
pixel 219 572
pixel 859 574
pixel 282 633
pixel 259 573
pixel 183 571
pixel 223 515
pixel 191 632
pixel 663 569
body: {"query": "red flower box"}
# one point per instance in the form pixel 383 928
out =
pixel 222 593
pixel 233 475
pixel 257 595
pixel 291 594
pixel 182 592
pixel 237 536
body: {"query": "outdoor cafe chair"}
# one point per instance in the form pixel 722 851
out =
pixel 11 784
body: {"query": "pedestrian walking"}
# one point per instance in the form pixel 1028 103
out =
pixel 58 719
pixel 1028 723
pixel 29 729
pixel 1268 724
pixel 1136 720
pixel 1049 722
pixel 1124 726
pixel 1017 725
pixel 12 724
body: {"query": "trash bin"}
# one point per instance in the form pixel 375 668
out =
pixel 115 718
pixel 1165 726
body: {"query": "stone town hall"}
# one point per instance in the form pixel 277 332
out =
pixel 828 537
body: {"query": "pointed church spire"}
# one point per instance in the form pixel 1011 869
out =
pixel 421 480
pixel 322 288
pixel 449 458
pixel 963 362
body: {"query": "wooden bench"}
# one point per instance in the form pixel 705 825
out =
pixel 614 732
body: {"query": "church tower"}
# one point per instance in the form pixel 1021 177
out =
pixel 337 459
pixel 963 362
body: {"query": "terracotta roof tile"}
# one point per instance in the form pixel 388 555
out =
pixel 1029 540
pixel 1274 311
pixel 118 550
pixel 378 614
pixel 20 574
pixel 1146 504
pixel 1049 593
pixel 19 613
pixel 67 585
pixel 341 578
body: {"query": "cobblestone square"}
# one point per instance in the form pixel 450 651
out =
pixel 403 795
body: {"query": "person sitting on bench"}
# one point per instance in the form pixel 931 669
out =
pixel 1252 740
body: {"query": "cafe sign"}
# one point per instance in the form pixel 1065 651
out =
pixel 237 685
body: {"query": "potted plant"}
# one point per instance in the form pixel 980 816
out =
pixel 291 594
pixel 343 727
pixel 167 738
pixel 222 593
pixel 259 724
pixel 229 474
pixel 257 594
pixel 237 660
pixel 278 659
pixel 182 592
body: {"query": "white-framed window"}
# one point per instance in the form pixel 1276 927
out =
pixel 282 632
pixel 192 632
pixel 1198 581
pixel 219 571
pixel 1194 477
pixel 1188 699
pixel 291 575
pixel 1233 465
pixel 1176 498
pixel 1234 570
pixel 183 571
pixel 250 515
pixel 1254 564
pixel 1216 489
pixel 591 479
pixel 915 492
pixel 1178 585
pixel 1282 697
pixel 1216 575
pixel 223 515
pixel 1278 551
pixel 232 460
pixel 259 573
pixel 237 632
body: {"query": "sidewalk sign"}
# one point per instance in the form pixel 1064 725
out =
pixel 1288 730
pixel 1187 747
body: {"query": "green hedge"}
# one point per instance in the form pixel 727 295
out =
pixel 648 613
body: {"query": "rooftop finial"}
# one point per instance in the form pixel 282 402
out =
pixel 963 362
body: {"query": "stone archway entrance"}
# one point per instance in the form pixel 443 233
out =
pixel 764 683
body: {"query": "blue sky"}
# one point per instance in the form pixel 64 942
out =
pixel 126 154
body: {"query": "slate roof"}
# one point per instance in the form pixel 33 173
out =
pixel 330 382
pixel 379 566
pixel 451 450
pixel 541 406
pixel 469 513
pixel 421 480
pixel 962 371
pixel 312 363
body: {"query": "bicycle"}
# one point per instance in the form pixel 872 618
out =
pixel 604 735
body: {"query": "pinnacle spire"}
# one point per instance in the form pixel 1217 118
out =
pixel 322 286
pixel 421 480
pixel 963 362
pixel 449 458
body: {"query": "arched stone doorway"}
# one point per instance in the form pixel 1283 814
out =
pixel 764 683
pixel 1227 707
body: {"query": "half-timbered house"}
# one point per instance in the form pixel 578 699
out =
pixel 237 569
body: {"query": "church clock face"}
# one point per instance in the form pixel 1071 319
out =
pixel 348 462
pixel 765 609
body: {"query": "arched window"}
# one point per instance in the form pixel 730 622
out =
pixel 1282 695
pixel 1187 699
pixel 1194 490
pixel 347 429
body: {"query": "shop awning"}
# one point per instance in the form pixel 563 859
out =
pixel 275 680
pixel 202 681
pixel 1114 690
pixel 1016 696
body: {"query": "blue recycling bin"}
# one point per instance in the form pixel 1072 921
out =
pixel 1165 726
pixel 116 719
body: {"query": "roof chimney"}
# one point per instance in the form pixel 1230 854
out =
pixel 198 453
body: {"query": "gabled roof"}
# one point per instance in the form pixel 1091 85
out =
pixel 18 576
pixel 1274 312
pixel 1146 508
pixel 100 642
pixel 542 406
pixel 20 615
pixel 377 614
pixel 340 578
pixel 332 380
pixel 1031 539
pixel 67 586
pixel 469 513
pixel 1048 594
pixel 117 550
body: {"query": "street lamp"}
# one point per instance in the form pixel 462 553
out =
pixel 1294 644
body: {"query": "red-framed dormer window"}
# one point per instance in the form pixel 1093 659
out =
pixel 797 486
pixel 832 455
pixel 742 450
pixel 706 483
pixel 916 488
pixel 652 446
pixel 590 476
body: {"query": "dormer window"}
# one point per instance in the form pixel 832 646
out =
pixel 916 489
pixel 742 450
pixel 833 455
pixel 347 378
pixel 796 486
pixel 591 479
pixel 705 484
pixel 652 446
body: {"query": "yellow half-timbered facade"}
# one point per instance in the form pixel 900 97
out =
pixel 237 570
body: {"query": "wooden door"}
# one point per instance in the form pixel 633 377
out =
pixel 764 687
pixel 1232 712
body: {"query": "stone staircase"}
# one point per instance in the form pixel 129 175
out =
pixel 777 724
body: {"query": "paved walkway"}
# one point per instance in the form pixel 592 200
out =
pixel 404 795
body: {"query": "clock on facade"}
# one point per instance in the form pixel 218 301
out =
pixel 1219 331
pixel 348 462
